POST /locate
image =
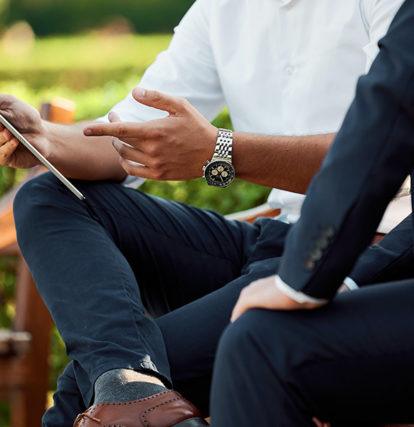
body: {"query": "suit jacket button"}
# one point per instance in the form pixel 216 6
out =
pixel 316 255
pixel 330 232
pixel 310 265
pixel 322 242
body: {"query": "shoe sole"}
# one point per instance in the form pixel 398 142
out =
pixel 193 422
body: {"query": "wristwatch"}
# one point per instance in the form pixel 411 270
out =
pixel 219 171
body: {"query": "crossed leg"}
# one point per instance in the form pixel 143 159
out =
pixel 101 266
pixel 350 363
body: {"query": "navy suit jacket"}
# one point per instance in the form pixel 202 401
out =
pixel 369 160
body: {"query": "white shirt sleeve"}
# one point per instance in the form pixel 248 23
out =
pixel 302 298
pixel 299 297
pixel 186 69
pixel 377 15
pixel 350 284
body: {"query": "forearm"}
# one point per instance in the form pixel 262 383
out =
pixel 285 162
pixel 80 157
pixel 177 146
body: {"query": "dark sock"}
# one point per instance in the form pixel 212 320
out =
pixel 121 385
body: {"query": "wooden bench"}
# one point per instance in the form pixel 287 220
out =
pixel 24 350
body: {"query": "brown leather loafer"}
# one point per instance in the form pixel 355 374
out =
pixel 167 409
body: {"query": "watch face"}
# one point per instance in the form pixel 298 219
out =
pixel 219 173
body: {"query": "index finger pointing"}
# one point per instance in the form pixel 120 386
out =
pixel 117 129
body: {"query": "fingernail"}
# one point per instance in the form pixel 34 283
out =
pixel 113 117
pixel 142 93
pixel 116 144
pixel 87 131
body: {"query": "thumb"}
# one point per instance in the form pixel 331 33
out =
pixel 160 101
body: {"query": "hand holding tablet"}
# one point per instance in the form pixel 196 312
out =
pixel 19 137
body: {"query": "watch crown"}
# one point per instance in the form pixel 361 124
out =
pixel 205 165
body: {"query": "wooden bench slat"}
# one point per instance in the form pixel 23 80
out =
pixel 251 215
pixel 7 230
pixel 14 343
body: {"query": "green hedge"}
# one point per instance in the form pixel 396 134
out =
pixel 69 16
pixel 81 62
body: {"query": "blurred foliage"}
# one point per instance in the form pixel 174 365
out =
pixel 7 280
pixel 64 66
pixel 4 8
pixel 69 16
pixel 80 62
pixel 7 178
pixel 70 67
pixel 7 268
pixel 96 72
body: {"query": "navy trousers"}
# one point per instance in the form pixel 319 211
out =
pixel 133 281
pixel 350 363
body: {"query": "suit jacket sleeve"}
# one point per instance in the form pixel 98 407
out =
pixel 371 157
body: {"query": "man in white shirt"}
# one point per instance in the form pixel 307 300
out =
pixel 287 72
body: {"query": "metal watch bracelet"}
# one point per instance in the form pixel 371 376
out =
pixel 224 145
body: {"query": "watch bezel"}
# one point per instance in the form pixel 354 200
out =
pixel 228 180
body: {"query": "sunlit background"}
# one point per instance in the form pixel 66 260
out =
pixel 91 52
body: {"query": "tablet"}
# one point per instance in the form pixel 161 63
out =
pixel 41 158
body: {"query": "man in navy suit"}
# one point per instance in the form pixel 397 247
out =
pixel 295 350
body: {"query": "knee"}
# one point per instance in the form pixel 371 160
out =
pixel 36 201
pixel 38 191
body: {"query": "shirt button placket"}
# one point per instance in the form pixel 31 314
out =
pixel 289 70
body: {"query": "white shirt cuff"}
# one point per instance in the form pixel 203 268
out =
pixel 299 297
pixel 350 284
pixel 133 182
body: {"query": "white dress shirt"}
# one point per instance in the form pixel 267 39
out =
pixel 282 67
